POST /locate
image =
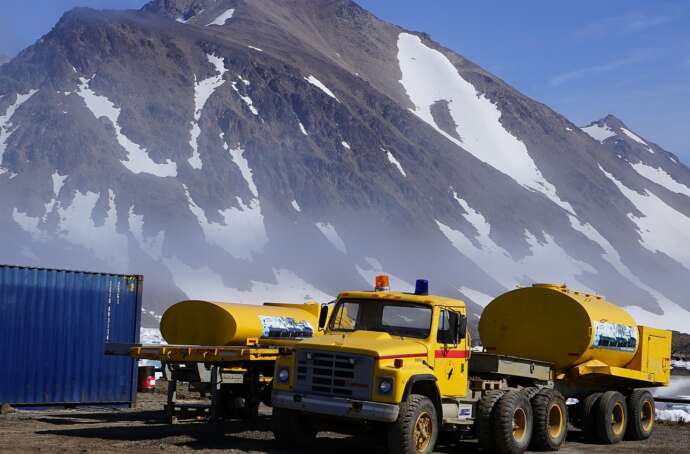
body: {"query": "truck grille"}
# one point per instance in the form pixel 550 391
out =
pixel 334 374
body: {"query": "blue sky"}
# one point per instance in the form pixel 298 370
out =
pixel 585 59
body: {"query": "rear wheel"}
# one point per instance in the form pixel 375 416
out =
pixel 512 423
pixel 550 420
pixel 416 430
pixel 292 429
pixel 611 417
pixel 642 412
pixel 484 428
pixel 587 411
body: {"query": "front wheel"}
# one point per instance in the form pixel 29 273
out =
pixel 416 430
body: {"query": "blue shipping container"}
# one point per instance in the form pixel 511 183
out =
pixel 53 327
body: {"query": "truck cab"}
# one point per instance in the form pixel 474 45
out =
pixel 384 354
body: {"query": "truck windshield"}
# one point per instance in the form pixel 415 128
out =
pixel 393 317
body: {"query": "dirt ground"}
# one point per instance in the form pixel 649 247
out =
pixel 143 430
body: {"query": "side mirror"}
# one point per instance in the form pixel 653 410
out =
pixel 462 328
pixel 323 317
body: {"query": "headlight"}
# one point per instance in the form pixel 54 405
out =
pixel 385 386
pixel 283 375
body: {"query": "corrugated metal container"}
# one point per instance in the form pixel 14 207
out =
pixel 53 327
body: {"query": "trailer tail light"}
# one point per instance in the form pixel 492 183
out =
pixel 398 363
pixel 382 283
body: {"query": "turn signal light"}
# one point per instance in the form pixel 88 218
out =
pixel 382 283
pixel 398 363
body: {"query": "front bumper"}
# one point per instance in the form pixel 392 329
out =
pixel 334 406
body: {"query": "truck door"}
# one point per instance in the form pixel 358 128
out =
pixel 450 355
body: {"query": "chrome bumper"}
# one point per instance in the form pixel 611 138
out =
pixel 334 406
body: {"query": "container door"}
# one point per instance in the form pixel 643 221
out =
pixel 450 356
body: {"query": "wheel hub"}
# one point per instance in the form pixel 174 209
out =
pixel 423 429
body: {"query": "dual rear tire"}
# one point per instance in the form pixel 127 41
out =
pixel 609 417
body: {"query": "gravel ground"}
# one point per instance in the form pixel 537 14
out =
pixel 142 430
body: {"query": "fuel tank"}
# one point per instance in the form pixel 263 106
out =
pixel 554 324
pixel 197 322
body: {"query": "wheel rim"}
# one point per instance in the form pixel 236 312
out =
pixel 618 419
pixel 555 421
pixel 519 424
pixel 423 429
pixel 647 415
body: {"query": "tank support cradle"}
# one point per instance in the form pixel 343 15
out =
pixel 185 409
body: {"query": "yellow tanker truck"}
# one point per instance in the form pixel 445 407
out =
pixel 403 362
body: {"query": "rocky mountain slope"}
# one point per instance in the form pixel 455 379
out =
pixel 252 151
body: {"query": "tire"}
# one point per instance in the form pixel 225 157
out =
pixel 642 412
pixel 292 429
pixel 484 428
pixel 586 416
pixel 550 420
pixel 531 391
pixel 512 423
pixel 611 418
pixel 416 430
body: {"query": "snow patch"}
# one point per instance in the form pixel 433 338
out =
pixel 375 269
pixel 242 233
pixel 677 364
pixel 296 206
pixel 482 299
pixel 428 76
pixel 661 177
pixel 673 415
pixel 76 225
pixel 202 92
pixel 138 159
pixel 332 236
pixel 247 100
pixel 222 17
pixel 599 133
pixel 151 336
pixel 205 284
pixel 661 227
pixel 58 182
pixel 6 126
pixel 153 246
pixel 321 86
pixel 27 223
pixel 395 162
pixel 237 155
pixel 547 262
pixel 634 137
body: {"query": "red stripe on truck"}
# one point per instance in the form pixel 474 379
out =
pixel 451 354
pixel 409 355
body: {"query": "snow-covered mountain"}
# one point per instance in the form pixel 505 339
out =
pixel 251 151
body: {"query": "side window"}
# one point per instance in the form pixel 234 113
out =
pixel 447 328
pixel 346 317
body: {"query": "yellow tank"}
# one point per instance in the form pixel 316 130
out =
pixel 555 324
pixel 196 322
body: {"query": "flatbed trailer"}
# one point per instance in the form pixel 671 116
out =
pixel 231 381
